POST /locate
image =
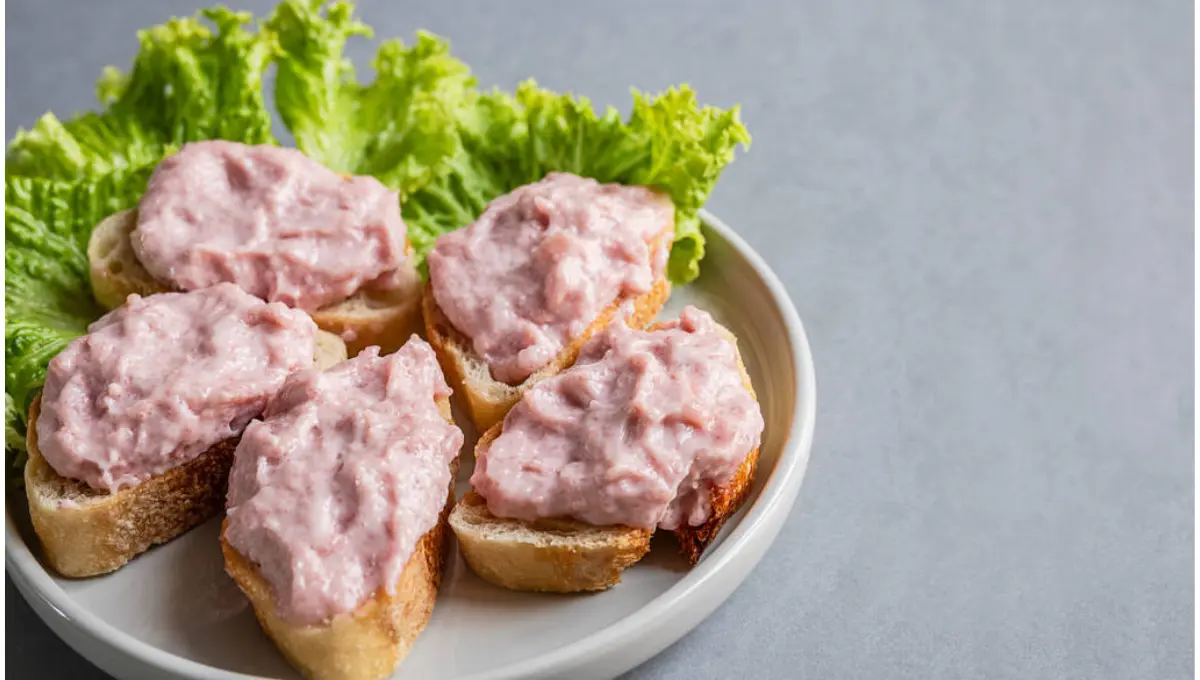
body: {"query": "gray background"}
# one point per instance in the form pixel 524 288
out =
pixel 983 212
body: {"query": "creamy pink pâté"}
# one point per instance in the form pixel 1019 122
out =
pixel 542 262
pixel 161 379
pixel 635 433
pixel 348 469
pixel 275 222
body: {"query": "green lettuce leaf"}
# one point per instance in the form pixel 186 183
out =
pixel 669 142
pixel 400 128
pixel 47 296
pixel 187 83
pixel 14 440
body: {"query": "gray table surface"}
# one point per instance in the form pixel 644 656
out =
pixel 983 212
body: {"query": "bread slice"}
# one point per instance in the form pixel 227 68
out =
pixel 564 555
pixel 368 643
pixel 386 318
pixel 87 532
pixel 487 400
pixel 114 268
pixel 550 555
pixel 383 318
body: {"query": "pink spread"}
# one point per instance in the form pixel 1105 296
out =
pixel 635 433
pixel 542 262
pixel 278 224
pixel 331 491
pixel 159 380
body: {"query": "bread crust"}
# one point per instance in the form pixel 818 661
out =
pixel 368 643
pixel 383 318
pixel 88 532
pixel 486 400
pixel 728 498
pixel 725 500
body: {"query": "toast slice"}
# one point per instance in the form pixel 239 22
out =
pixel 368 643
pixel 487 400
pixel 557 555
pixel 383 318
pixel 87 532
pixel 564 555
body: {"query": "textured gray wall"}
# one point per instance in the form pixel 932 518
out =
pixel 983 211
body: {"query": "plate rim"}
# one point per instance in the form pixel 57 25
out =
pixel 759 526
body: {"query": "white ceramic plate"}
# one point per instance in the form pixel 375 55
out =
pixel 172 612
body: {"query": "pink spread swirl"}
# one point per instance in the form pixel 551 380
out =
pixel 161 379
pixel 349 468
pixel 542 262
pixel 278 224
pixel 637 432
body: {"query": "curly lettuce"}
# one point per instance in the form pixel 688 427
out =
pixel 47 294
pixel 14 440
pixel 669 142
pixel 400 128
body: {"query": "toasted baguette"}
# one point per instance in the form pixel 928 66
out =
pixel 550 555
pixel 383 318
pixel 725 501
pixel 487 400
pixel 564 555
pixel 87 532
pixel 368 643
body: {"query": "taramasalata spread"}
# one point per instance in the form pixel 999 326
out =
pixel 542 262
pixel 160 380
pixel 271 220
pixel 635 433
pixel 349 468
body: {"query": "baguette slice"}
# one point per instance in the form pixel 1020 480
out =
pixel 368 643
pixel 551 555
pixel 384 318
pixel 487 400
pixel 564 555
pixel 87 532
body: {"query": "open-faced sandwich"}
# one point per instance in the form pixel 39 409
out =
pixel 276 223
pixel 649 429
pixel 336 524
pixel 131 440
pixel 513 296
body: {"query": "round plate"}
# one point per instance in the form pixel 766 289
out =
pixel 172 612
